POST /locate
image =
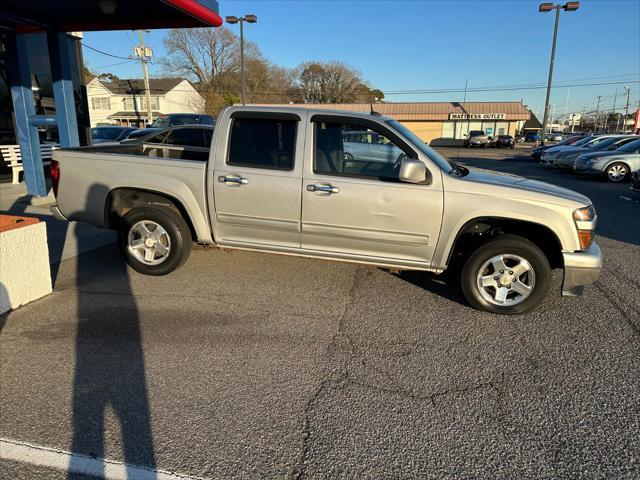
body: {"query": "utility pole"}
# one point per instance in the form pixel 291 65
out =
pixel 627 91
pixel 564 117
pixel 145 53
pixel 595 119
pixel 613 110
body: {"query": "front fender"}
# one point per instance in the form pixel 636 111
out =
pixel 458 214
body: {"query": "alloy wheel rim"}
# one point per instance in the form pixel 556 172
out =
pixel 149 242
pixel 617 173
pixel 506 280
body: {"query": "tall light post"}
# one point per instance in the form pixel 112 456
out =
pixel 627 91
pixel 233 20
pixel 547 7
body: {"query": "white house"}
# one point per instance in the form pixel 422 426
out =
pixel 123 102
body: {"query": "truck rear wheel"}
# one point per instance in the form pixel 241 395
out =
pixel 508 275
pixel 154 240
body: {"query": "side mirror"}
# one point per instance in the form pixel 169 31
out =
pixel 412 171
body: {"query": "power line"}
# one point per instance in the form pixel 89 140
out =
pixel 113 64
pixel 504 89
pixel 105 53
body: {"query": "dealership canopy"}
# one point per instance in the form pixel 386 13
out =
pixel 83 15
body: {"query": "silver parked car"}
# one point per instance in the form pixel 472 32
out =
pixel 566 158
pixel 549 154
pixel 616 164
pixel 369 146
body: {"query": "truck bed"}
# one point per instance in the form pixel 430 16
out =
pixel 88 175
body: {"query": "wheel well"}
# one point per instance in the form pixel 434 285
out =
pixel 478 231
pixel 611 162
pixel 121 200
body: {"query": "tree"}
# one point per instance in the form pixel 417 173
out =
pixel 333 82
pixel 210 58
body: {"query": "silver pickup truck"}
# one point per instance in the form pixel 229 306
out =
pixel 278 180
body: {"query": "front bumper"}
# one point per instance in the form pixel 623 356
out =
pixel 546 161
pixel 586 169
pixel 563 162
pixel 580 269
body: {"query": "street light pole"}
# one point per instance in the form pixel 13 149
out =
pixel 547 7
pixel 242 60
pixel 232 20
pixel 627 91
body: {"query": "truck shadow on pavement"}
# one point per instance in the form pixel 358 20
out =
pixel 443 285
pixel 109 378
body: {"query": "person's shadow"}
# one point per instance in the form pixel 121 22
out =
pixel 109 368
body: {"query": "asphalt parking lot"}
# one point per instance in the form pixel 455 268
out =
pixel 248 365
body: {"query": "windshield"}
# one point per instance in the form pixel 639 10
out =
pixel 160 122
pixel 417 142
pixel 141 133
pixel 604 142
pixel 175 120
pixel 631 147
pixel 107 133
pixel 583 141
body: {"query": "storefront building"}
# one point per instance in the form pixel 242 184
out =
pixel 447 123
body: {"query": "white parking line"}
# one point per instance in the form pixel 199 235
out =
pixel 81 464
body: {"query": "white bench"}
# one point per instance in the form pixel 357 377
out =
pixel 12 155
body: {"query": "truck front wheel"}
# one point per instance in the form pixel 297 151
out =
pixel 508 275
pixel 154 240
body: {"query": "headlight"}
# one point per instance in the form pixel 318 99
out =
pixel 584 214
pixel 586 230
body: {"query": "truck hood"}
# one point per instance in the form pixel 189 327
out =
pixel 544 192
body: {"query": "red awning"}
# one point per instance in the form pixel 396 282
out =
pixel 83 15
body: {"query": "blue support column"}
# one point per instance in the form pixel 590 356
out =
pixel 24 109
pixel 61 74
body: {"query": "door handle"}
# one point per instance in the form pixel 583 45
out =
pixel 322 188
pixel 233 180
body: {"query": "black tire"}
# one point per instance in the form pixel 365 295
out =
pixel 617 167
pixel 506 245
pixel 176 229
pixel 347 157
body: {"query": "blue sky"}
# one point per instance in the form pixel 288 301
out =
pixel 426 45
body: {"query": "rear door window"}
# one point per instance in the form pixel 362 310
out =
pixel 262 143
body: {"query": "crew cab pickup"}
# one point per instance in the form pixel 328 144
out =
pixel 281 180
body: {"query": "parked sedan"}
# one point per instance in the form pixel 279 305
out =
pixel 548 156
pixel 568 157
pixel 139 133
pixel 369 146
pixel 505 141
pixel 191 142
pixel 109 133
pixel 176 119
pixel 616 164
pixel 537 152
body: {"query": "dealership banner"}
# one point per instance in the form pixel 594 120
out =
pixel 477 116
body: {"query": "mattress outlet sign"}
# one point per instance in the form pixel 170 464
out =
pixel 477 116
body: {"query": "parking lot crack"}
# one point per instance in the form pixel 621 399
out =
pixel 617 304
pixel 337 378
